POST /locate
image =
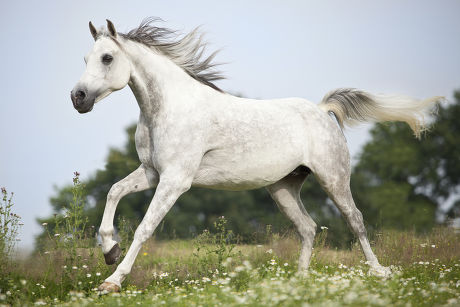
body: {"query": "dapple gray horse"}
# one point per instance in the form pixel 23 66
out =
pixel 191 133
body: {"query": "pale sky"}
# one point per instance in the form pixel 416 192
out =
pixel 272 49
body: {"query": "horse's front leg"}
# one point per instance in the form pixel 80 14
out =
pixel 170 187
pixel 139 180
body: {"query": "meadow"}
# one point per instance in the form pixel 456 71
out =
pixel 215 269
pixel 210 271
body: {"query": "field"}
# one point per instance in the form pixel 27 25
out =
pixel 211 270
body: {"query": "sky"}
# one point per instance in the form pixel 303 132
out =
pixel 272 49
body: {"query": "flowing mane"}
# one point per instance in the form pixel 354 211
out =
pixel 186 52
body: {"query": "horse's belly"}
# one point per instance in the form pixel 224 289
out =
pixel 244 173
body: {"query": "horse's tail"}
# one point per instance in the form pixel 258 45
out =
pixel 351 106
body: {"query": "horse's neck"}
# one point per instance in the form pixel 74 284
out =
pixel 156 81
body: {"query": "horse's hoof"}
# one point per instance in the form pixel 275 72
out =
pixel 380 271
pixel 112 256
pixel 108 287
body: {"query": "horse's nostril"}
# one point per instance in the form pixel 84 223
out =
pixel 80 95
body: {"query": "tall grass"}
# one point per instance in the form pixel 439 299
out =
pixel 215 268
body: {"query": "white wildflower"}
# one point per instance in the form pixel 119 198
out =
pixel 205 279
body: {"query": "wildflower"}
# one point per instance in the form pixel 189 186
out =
pixel 286 264
pixel 433 246
pixel 270 251
pixel 98 274
pixel 3 190
pixel 239 268
pixel 324 228
pixel 23 282
pixel 44 224
pixel 74 267
pixel 64 267
pixel 88 275
pixel 84 266
pixel 206 279
pixel 57 234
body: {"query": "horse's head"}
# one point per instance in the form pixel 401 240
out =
pixel 107 70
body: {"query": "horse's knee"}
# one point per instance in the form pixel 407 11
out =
pixel 115 192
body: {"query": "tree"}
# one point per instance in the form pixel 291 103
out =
pixel 399 181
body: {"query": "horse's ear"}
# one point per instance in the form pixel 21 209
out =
pixel 111 29
pixel 93 30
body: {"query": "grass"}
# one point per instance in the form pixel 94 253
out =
pixel 214 269
pixel 426 273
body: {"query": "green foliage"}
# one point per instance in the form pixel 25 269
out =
pixel 213 248
pixel 400 181
pixel 69 256
pixel 9 227
pixel 426 273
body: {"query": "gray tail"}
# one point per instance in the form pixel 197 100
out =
pixel 352 106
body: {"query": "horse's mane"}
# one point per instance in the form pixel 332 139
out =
pixel 187 51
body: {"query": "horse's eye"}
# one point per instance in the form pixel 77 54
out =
pixel 107 59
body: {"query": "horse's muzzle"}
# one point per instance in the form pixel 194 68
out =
pixel 82 102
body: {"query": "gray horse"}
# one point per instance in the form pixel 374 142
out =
pixel 191 133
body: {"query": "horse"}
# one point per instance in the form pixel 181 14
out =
pixel 192 133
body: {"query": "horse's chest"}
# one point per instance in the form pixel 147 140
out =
pixel 144 144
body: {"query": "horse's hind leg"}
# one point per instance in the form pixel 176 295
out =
pixel 286 194
pixel 336 182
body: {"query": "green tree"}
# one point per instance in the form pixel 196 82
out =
pixel 399 181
